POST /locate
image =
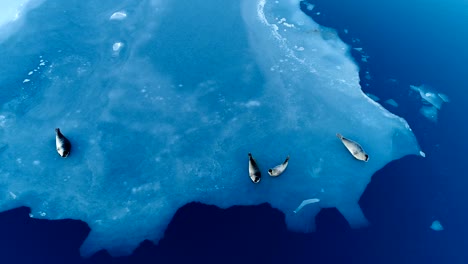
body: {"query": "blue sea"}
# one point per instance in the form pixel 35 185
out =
pixel 396 45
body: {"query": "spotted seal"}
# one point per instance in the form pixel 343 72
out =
pixel 62 143
pixel 354 148
pixel 254 171
pixel 277 170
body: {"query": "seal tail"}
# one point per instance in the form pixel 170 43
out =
pixel 286 161
pixel 339 136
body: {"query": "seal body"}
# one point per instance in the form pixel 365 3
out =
pixel 354 148
pixel 254 171
pixel 62 143
pixel 277 170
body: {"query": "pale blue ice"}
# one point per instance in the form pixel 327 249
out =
pixel 162 101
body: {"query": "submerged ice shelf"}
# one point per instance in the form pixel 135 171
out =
pixel 169 117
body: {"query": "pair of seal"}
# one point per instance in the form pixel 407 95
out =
pixel 62 144
pixel 256 175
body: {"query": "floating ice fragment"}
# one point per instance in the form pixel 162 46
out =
pixel 367 76
pixel 437 226
pixel 373 97
pixel 358 49
pixel 309 6
pixel 26 80
pixel 30 73
pixel 306 202
pixel 391 102
pixel 430 96
pixel 430 112
pixel 118 16
pixel 444 97
pixel 422 154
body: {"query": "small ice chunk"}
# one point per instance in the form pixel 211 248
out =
pixel 30 73
pixel 12 195
pixel 26 80
pixel 309 6
pixel 392 102
pixel 358 49
pixel 422 154
pixel 118 16
pixel 367 76
pixel 437 226
pixel 373 97
pixel 117 46
pixel 306 202
pixel 430 96
pixel 345 31
pixel 444 97
pixel 430 112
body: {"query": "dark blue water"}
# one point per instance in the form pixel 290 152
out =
pixel 408 43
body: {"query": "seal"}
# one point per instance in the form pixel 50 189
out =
pixel 354 148
pixel 254 171
pixel 277 170
pixel 62 143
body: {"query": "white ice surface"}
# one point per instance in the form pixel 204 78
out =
pixel 170 116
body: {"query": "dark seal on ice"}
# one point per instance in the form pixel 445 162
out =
pixel 254 171
pixel 62 143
